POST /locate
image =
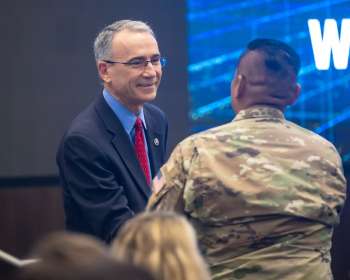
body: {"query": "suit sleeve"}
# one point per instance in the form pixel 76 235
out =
pixel 93 186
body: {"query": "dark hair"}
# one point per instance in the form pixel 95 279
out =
pixel 104 268
pixel 278 53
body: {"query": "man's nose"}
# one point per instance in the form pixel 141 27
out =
pixel 149 69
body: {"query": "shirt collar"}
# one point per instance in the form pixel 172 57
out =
pixel 126 117
pixel 259 111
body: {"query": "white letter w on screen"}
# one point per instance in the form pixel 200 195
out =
pixel 322 47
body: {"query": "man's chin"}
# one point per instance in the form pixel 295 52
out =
pixel 148 96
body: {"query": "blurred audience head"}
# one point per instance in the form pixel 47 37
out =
pixel 164 243
pixel 68 256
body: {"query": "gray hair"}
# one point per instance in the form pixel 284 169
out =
pixel 103 41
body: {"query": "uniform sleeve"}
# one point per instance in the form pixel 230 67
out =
pixel 93 187
pixel 169 184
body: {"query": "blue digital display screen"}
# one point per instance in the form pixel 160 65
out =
pixel 318 30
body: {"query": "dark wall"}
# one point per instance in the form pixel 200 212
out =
pixel 27 214
pixel 48 72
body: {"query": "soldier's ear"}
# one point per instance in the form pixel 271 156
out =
pixel 238 86
pixel 237 91
pixel 295 94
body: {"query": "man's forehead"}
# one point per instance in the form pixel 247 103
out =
pixel 126 46
pixel 126 40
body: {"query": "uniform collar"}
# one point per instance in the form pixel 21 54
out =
pixel 259 111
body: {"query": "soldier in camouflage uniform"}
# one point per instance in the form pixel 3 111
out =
pixel 263 193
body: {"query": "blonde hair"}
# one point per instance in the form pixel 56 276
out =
pixel 164 243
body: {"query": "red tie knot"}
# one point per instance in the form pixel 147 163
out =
pixel 138 123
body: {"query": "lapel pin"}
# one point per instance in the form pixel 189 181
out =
pixel 156 141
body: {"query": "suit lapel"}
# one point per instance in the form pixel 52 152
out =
pixel 127 154
pixel 121 142
pixel 154 139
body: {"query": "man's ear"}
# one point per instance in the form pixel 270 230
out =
pixel 237 86
pixel 103 71
pixel 237 91
pixel 295 94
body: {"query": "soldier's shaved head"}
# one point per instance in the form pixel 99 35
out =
pixel 266 75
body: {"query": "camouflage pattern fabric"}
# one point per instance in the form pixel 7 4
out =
pixel 262 193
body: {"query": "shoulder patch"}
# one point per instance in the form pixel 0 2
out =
pixel 158 182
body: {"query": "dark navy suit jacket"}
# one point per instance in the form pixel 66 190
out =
pixel 103 184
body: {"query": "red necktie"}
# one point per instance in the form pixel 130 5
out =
pixel 140 149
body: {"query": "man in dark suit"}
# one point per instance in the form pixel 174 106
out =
pixel 115 146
